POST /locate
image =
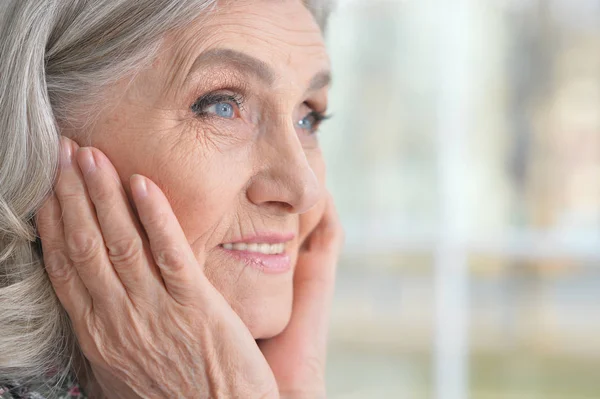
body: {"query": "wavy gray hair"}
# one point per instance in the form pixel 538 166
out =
pixel 54 54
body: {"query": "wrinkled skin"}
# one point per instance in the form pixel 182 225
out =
pixel 159 308
pixel 230 178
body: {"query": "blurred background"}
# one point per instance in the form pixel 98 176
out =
pixel 464 156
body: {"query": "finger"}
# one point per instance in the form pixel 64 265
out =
pixel 321 246
pixel 84 242
pixel 120 228
pixel 67 284
pixel 179 268
pixel 314 277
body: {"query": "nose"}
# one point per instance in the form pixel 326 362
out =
pixel 284 178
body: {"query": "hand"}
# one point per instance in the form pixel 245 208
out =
pixel 297 355
pixel 145 315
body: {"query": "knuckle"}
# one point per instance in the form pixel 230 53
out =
pixel 125 251
pixel 170 258
pixel 326 237
pixel 45 216
pixel 51 240
pixel 158 221
pixel 58 266
pixel 334 234
pixel 329 232
pixel 83 246
pixel 70 195
pixel 102 193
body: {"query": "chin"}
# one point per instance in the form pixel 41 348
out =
pixel 267 317
pixel 262 301
pixel 268 312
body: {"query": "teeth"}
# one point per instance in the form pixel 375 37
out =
pixel 252 247
pixel 268 249
pixel 240 246
pixel 277 248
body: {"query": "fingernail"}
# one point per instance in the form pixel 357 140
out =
pixel 66 151
pixel 138 186
pixel 87 163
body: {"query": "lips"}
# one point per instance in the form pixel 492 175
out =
pixel 266 252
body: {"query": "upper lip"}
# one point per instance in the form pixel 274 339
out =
pixel 265 238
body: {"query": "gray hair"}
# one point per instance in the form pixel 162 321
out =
pixel 54 54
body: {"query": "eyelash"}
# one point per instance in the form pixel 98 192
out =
pixel 210 99
pixel 318 117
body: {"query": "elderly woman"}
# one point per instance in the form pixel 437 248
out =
pixel 164 227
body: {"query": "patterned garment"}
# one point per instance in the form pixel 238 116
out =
pixel 69 389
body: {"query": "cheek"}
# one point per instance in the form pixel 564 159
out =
pixel 202 184
pixel 204 193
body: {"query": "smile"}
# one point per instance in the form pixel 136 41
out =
pixel 261 248
pixel 264 252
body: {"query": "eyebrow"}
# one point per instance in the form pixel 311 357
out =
pixel 320 80
pixel 252 65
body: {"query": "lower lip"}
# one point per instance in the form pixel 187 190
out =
pixel 270 264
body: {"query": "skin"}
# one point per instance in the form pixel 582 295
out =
pixel 184 318
pixel 228 179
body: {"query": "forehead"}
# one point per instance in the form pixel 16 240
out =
pixel 281 33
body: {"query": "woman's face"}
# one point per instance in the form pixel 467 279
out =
pixel 224 122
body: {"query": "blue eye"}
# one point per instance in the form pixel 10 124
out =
pixel 224 110
pixel 306 123
pixel 218 104
pixel 311 122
